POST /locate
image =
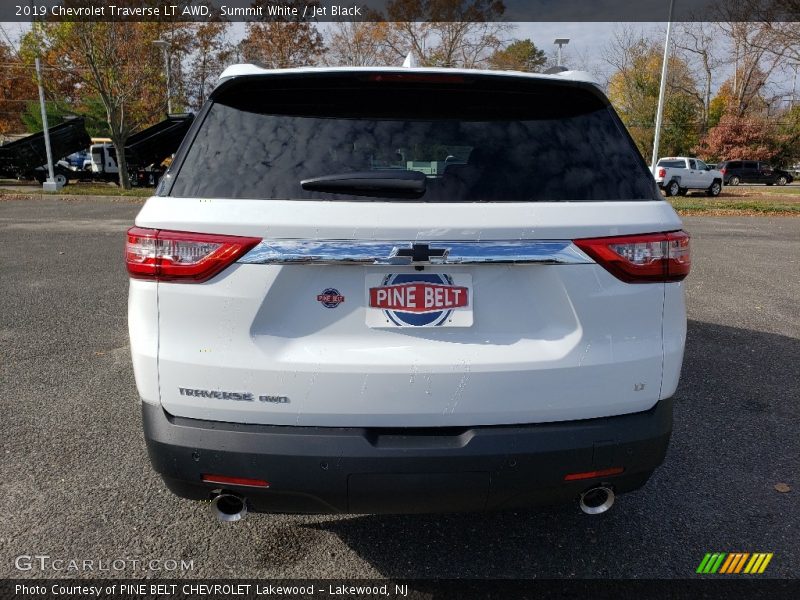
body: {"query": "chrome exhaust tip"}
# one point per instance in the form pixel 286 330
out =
pixel 597 500
pixel 228 508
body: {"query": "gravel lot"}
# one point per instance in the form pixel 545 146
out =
pixel 77 482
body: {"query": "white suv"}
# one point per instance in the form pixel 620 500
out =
pixel 406 290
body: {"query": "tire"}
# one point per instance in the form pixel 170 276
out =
pixel 61 179
pixel 782 180
pixel 672 188
pixel 714 189
pixel 733 181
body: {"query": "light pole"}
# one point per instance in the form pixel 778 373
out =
pixel 794 81
pixel 662 87
pixel 50 185
pixel 164 45
pixel 560 42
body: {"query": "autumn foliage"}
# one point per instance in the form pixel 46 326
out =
pixel 747 137
pixel 17 87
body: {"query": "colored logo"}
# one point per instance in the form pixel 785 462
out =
pixel 418 299
pixel 330 298
pixel 734 563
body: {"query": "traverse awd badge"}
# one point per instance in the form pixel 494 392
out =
pixel 419 300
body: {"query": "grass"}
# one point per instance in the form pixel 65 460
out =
pixel 764 190
pixel 77 189
pixel 734 206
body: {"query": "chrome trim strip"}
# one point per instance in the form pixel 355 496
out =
pixel 365 252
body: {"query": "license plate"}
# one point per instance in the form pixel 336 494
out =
pixel 421 299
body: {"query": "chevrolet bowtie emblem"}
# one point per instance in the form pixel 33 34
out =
pixel 420 253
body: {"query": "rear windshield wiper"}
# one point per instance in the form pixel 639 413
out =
pixel 388 183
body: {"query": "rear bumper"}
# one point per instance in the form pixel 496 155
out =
pixel 362 470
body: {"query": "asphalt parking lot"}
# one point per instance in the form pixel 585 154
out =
pixel 77 483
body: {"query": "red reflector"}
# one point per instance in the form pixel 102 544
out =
pixel 225 480
pixel 593 474
pixel 652 257
pixel 181 256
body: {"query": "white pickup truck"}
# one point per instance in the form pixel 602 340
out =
pixel 677 175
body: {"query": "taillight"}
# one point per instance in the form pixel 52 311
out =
pixel 181 256
pixel 642 258
pixel 662 172
pixel 723 170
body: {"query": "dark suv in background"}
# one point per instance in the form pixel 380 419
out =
pixel 752 171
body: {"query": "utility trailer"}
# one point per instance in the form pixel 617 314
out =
pixel 144 152
pixel 26 158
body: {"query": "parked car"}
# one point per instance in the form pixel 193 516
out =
pixel 784 177
pixel 415 296
pixel 753 171
pixel 681 174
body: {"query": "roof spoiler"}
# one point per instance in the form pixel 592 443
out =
pixel 583 76
pixel 255 68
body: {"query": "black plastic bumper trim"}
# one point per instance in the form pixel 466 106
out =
pixel 358 470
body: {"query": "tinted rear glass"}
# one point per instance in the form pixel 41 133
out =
pixel 474 139
pixel 673 164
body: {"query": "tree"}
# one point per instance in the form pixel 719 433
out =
pixel 211 51
pixel 737 137
pixel 787 149
pixel 698 45
pixel 360 44
pixel 758 51
pixel 446 33
pixel 634 87
pixel 17 89
pixel 278 44
pixel 519 55
pixel 110 61
pixel 90 108
pixel 770 27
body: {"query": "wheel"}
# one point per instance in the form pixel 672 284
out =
pixel 673 189
pixel 733 181
pixel 61 179
pixel 714 189
pixel 782 180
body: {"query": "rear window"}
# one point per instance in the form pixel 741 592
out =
pixel 672 164
pixel 474 139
